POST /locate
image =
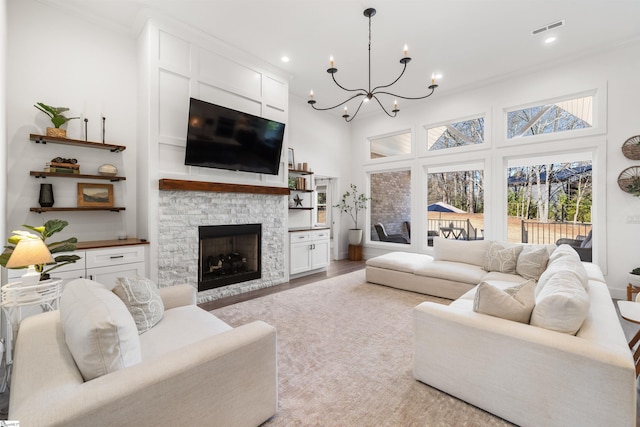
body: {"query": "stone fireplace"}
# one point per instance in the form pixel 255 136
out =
pixel 185 206
pixel 228 254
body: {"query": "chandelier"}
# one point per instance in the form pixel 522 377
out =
pixel 370 94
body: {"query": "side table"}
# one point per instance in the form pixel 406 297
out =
pixel 630 310
pixel 15 296
pixel 355 252
pixel 632 289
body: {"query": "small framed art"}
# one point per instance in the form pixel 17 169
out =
pixel 291 162
pixel 95 195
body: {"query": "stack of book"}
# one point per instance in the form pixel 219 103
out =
pixel 62 167
pixel 301 183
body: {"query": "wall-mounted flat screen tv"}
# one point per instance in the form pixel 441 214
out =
pixel 222 138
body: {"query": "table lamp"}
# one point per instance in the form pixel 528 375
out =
pixel 27 253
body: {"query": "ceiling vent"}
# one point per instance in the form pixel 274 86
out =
pixel 557 24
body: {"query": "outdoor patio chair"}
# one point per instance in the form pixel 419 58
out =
pixel 582 246
pixel 384 237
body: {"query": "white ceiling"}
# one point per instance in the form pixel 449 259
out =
pixel 470 42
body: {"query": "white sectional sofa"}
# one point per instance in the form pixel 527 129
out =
pixel 86 365
pixel 565 363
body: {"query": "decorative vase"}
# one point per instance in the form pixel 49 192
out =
pixel 355 236
pixel 57 132
pixel 46 195
pixel 108 170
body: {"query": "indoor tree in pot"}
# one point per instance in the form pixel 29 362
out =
pixel 57 118
pixel 352 203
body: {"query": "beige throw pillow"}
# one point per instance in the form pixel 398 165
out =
pixel 515 303
pixel 98 329
pixel 532 261
pixel 142 298
pixel 499 258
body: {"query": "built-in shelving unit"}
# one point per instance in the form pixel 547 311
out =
pixel 43 139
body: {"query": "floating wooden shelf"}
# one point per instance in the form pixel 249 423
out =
pixel 301 191
pixel 182 185
pixel 300 172
pixel 111 209
pixel 43 139
pixel 301 209
pixel 42 174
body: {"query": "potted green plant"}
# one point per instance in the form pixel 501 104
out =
pixel 352 203
pixel 43 232
pixel 57 118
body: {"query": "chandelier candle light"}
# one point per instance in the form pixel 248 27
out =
pixel 371 93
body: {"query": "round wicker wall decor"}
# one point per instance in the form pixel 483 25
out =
pixel 629 180
pixel 631 148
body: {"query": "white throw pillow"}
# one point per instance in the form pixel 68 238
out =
pixel 562 305
pixel 514 303
pixel 467 251
pixel 142 298
pixel 532 261
pixel 499 258
pixel 99 331
pixel 563 264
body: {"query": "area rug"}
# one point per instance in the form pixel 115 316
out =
pixel 344 357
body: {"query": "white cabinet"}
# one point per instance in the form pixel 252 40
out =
pixel 309 251
pixel 102 265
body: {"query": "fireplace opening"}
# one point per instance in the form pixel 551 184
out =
pixel 228 254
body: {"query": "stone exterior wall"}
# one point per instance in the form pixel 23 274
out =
pixel 180 214
pixel 391 201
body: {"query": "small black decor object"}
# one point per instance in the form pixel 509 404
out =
pixel 46 195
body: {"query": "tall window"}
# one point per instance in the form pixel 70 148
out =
pixel 391 206
pixel 321 205
pixel 456 203
pixel 548 200
pixel 456 134
pixel 390 146
pixel 567 115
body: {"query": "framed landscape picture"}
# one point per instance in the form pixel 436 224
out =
pixel 95 195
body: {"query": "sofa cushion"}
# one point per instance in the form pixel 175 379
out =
pixel 453 271
pixel 142 298
pixel 465 251
pixel 499 258
pixel 98 329
pixel 532 261
pixel 513 303
pixel 563 261
pixel 562 304
pixel 400 261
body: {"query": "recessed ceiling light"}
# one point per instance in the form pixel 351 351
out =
pixel 285 59
pixel 550 39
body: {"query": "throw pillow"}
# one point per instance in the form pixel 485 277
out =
pixel 499 258
pixel 142 298
pixel 98 329
pixel 466 251
pixel 532 261
pixel 515 303
pixel 562 304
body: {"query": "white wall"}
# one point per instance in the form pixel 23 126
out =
pixel 322 140
pixel 612 73
pixel 3 119
pixel 62 59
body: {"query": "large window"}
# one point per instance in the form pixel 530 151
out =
pixel 391 206
pixel 390 146
pixel 456 203
pixel 456 134
pixel 567 115
pixel 549 200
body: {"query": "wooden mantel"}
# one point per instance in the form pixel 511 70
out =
pixel 184 185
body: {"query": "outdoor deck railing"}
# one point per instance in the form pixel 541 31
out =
pixel 470 232
pixel 549 232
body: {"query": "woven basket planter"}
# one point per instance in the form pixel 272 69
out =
pixel 57 132
pixel 631 148
pixel 628 178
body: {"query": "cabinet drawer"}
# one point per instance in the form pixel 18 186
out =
pixel 114 256
pixel 299 237
pixel 320 235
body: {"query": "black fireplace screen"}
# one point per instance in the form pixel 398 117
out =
pixel 229 254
